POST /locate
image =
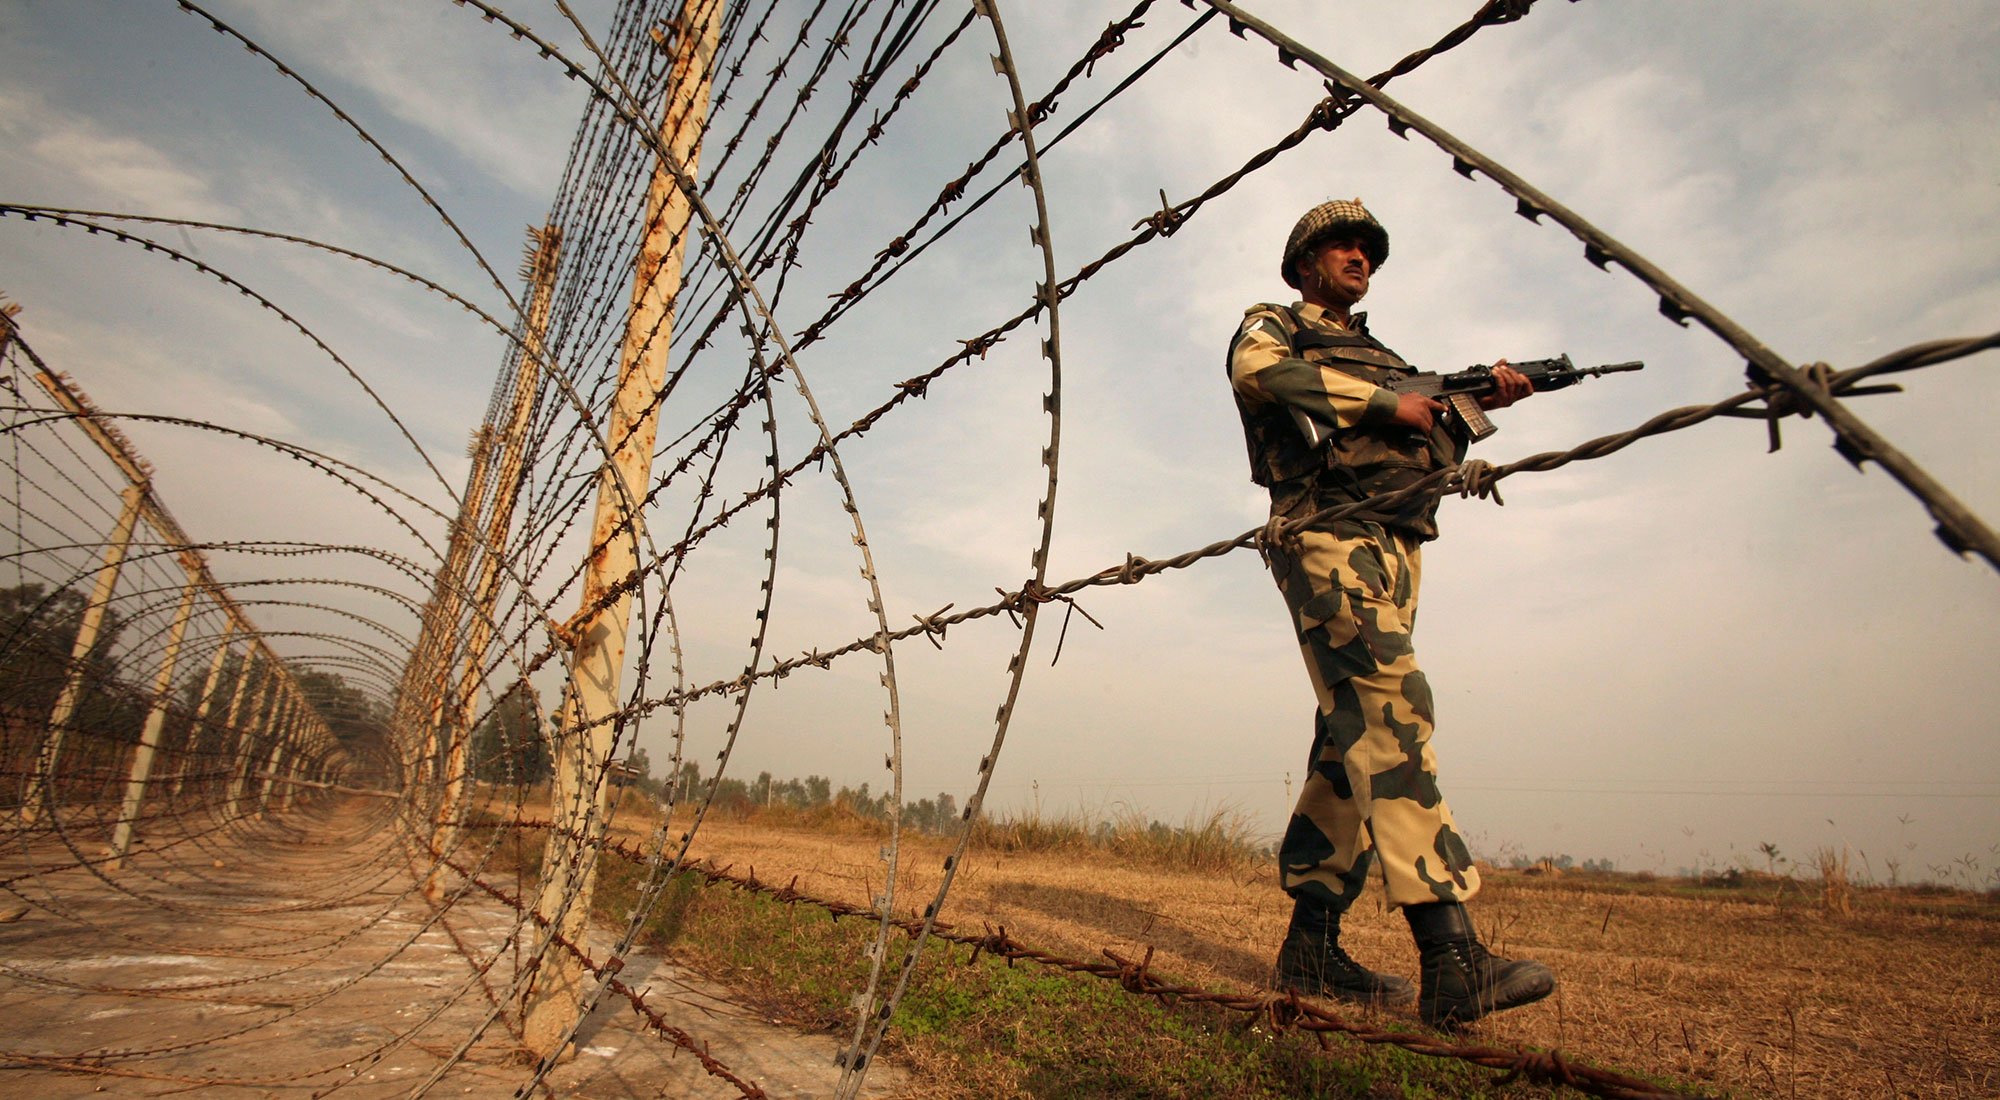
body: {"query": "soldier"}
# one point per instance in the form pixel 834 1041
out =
pixel 1323 432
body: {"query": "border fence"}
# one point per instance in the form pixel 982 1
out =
pixel 181 705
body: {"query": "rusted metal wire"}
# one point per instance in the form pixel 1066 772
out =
pixel 1440 483
pixel 368 139
pixel 777 168
pixel 872 1018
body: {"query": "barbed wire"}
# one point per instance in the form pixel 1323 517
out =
pixel 436 685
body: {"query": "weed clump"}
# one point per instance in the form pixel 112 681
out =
pixel 1836 891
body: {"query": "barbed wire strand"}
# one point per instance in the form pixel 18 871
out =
pixel 224 740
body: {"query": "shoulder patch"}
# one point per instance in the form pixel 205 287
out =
pixel 1277 316
pixel 1265 325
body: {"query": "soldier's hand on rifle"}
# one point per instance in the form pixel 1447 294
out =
pixel 1509 386
pixel 1414 410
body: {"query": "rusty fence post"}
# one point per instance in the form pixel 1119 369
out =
pixel 64 710
pixel 247 734
pixel 587 735
pixel 156 721
pixel 141 504
pixel 230 735
pixel 540 268
pixel 203 704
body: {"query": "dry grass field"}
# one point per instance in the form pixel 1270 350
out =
pixel 1753 990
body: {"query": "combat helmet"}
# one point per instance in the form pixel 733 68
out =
pixel 1327 219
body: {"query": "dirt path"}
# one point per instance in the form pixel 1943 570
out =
pixel 296 957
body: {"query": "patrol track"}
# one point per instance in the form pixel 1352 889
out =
pixel 307 735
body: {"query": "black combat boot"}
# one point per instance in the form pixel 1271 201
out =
pixel 1311 961
pixel 1462 981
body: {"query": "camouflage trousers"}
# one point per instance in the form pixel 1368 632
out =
pixel 1371 792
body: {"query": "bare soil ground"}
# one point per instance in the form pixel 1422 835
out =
pixel 1756 991
pixel 296 956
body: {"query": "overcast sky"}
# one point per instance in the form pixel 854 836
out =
pixel 1666 657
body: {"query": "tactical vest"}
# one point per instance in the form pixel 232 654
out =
pixel 1351 464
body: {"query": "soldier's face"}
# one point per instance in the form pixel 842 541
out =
pixel 1339 273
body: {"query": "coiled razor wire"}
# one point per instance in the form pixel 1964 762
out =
pixel 247 764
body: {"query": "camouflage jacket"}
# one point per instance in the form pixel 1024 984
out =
pixel 1289 362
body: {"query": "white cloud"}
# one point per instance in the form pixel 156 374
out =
pixel 470 87
pixel 122 166
pixel 72 160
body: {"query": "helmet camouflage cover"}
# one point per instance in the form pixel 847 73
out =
pixel 1328 219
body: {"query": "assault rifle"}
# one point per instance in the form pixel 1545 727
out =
pixel 1460 392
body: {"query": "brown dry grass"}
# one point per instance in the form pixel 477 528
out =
pixel 1770 988
pixel 1836 893
pixel 1724 993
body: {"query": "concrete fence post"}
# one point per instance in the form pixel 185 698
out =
pixel 586 737
pixel 202 706
pixel 149 735
pixel 64 710
pixel 541 269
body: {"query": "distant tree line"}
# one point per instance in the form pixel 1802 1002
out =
pixel 812 794
pixel 510 747
pixel 1562 863
pixel 38 631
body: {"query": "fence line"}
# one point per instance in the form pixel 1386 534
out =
pixel 154 734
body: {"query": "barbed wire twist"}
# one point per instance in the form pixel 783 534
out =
pixel 535 460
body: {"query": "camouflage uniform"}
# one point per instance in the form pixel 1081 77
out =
pixel 1371 793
